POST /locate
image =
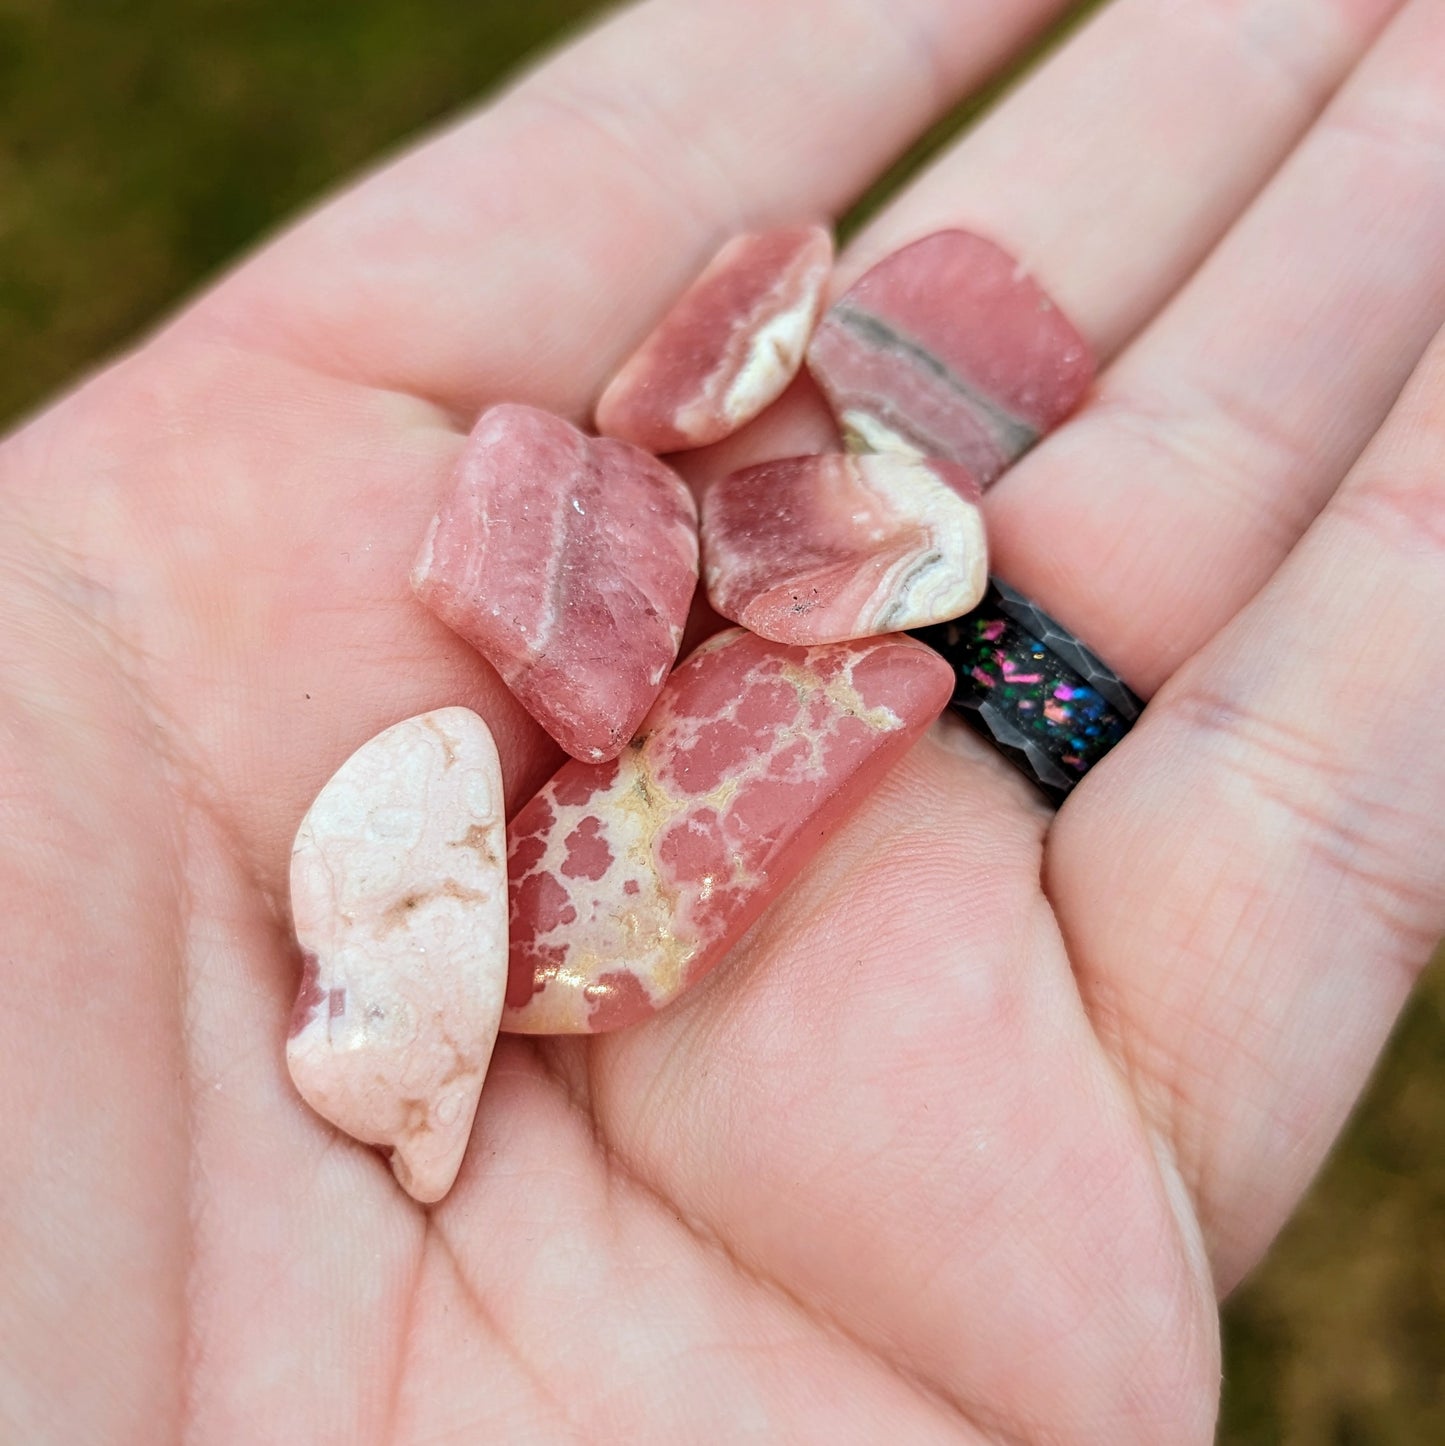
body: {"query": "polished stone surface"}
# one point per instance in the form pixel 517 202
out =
pixel 728 347
pixel 630 879
pixel 569 562
pixel 826 548
pixel 948 348
pixel 399 900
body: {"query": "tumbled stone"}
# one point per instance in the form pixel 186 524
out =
pixel 630 879
pixel 727 348
pixel 827 548
pixel 948 348
pixel 569 563
pixel 398 895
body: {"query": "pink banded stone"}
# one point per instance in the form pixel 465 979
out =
pixel 398 895
pixel 823 549
pixel 569 562
pixel 630 879
pixel 948 348
pixel 729 346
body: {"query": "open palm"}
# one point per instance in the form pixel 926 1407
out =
pixel 966 1138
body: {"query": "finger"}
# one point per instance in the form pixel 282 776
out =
pixel 1218 435
pixel 1275 846
pixel 1115 167
pixel 523 254
pixel 1112 192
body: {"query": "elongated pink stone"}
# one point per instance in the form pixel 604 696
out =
pixel 398 894
pixel 729 346
pixel 569 563
pixel 948 348
pixel 630 879
pixel 824 549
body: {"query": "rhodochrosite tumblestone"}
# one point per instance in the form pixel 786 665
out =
pixel 827 548
pixel 569 563
pixel 629 879
pixel 948 348
pixel 729 346
pixel 399 897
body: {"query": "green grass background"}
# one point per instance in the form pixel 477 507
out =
pixel 143 143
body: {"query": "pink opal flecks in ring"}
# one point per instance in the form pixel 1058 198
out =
pixel 630 879
pixel 827 548
pixel 569 562
pixel 948 348
pixel 399 898
pixel 729 346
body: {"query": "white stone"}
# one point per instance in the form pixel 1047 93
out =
pixel 399 899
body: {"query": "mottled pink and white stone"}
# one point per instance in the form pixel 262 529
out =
pixel 399 899
pixel 728 347
pixel 569 562
pixel 949 348
pixel 827 548
pixel 630 879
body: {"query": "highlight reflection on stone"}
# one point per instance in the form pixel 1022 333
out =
pixel 569 563
pixel 630 879
pixel 948 348
pixel 827 548
pixel 729 346
pixel 398 894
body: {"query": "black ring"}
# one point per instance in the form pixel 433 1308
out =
pixel 1033 689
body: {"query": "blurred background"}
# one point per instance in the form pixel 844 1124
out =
pixel 144 143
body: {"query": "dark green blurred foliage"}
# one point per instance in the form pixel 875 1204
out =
pixel 145 143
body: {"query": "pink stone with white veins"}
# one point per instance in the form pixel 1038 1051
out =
pixel 569 562
pixel 399 899
pixel 949 348
pixel 728 347
pixel 827 548
pixel 630 879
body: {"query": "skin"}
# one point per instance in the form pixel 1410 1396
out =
pixel 975 1128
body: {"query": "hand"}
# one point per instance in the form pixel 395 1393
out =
pixel 968 1136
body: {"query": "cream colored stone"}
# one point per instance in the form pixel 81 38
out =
pixel 399 899
pixel 832 547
